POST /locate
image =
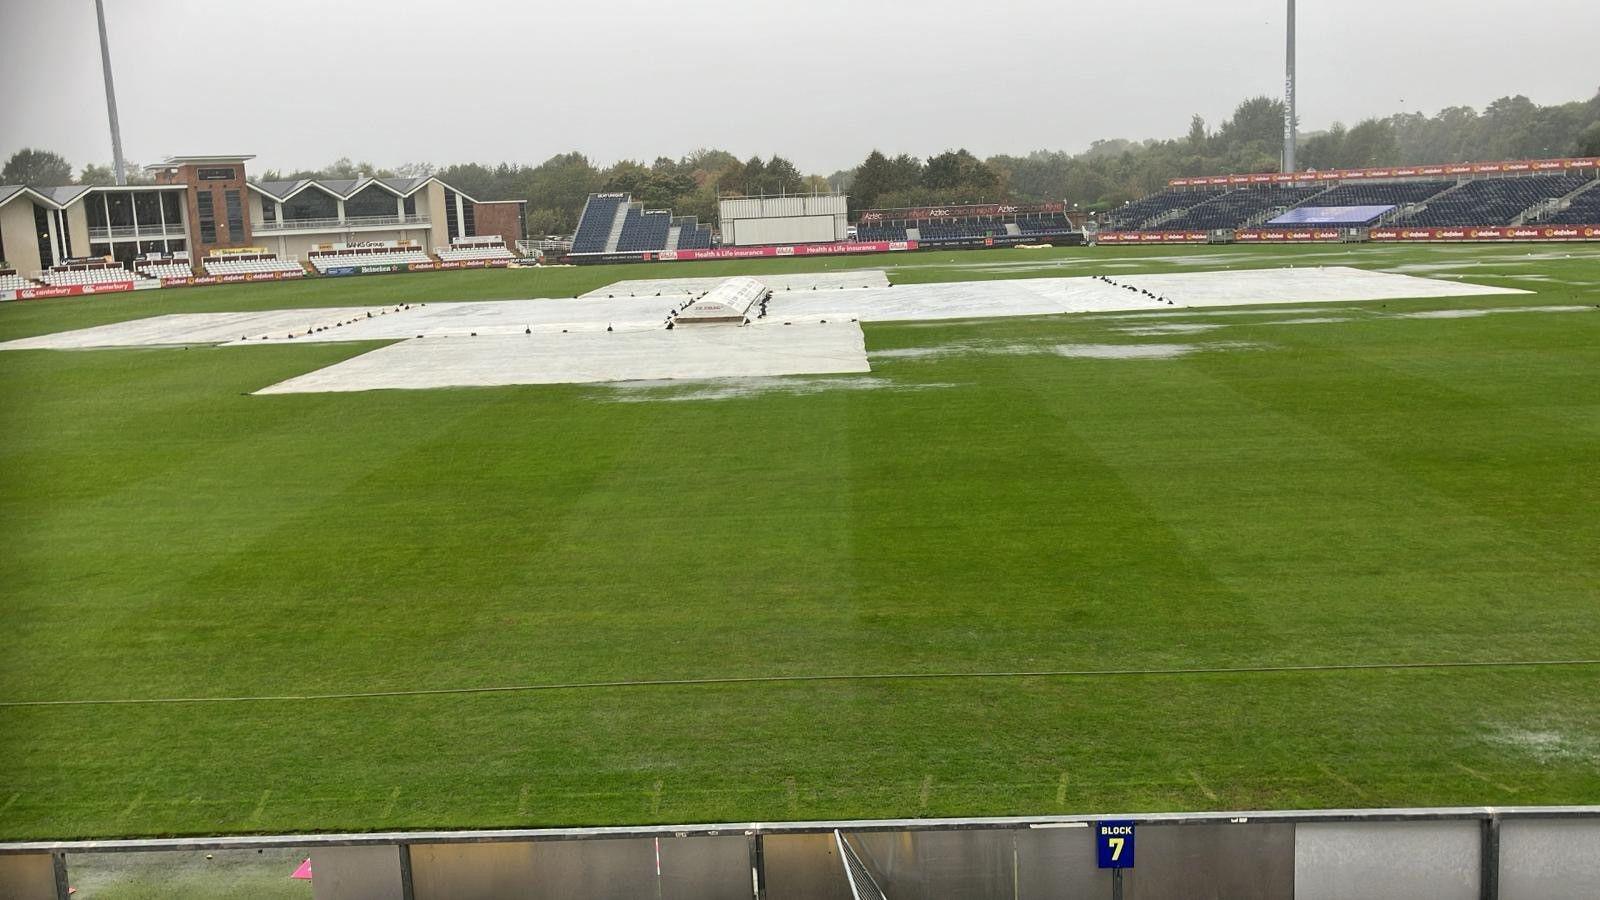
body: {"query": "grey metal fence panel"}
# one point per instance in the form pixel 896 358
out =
pixel 1059 864
pixel 260 873
pixel 356 873
pixel 1549 859
pixel 936 864
pixel 1238 861
pixel 803 867
pixel 1387 860
pixel 698 867
pixel 28 876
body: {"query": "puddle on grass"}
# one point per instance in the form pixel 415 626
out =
pixel 1475 313
pixel 1171 328
pixel 1546 743
pixel 737 388
pixel 1071 351
pixel 1145 351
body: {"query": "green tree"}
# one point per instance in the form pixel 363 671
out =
pixel 36 168
pixel 93 173
pixel 1589 141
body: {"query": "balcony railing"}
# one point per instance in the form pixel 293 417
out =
pixel 333 224
pixel 153 232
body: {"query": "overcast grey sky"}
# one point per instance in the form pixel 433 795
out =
pixel 302 82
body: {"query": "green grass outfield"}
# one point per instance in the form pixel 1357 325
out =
pixel 1375 490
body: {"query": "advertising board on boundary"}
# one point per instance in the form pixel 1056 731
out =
pixel 73 290
pixel 842 247
pixel 1276 235
pixel 1152 237
pixel 1521 233
pixel 234 278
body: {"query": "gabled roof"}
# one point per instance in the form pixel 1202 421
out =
pixel 66 193
pixel 345 188
pixel 45 196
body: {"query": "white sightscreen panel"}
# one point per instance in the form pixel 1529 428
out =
pixel 786 230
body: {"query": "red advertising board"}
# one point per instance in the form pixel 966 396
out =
pixel 1278 235
pixel 1152 237
pixel 784 250
pixel 1522 233
pixel 234 278
pixel 1479 168
pixel 74 290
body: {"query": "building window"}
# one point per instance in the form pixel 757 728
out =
pixel 369 201
pixel 41 224
pixel 99 249
pixel 310 204
pixel 450 213
pixel 208 218
pixel 172 203
pixel 469 228
pixel 63 234
pixel 411 205
pixel 235 216
pixel 147 211
pixel 119 209
pixel 94 210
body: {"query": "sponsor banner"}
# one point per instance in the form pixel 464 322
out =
pixel 381 270
pixel 1277 235
pixel 1476 168
pixel 1152 237
pixel 422 267
pixel 1523 233
pixel 957 212
pixel 784 250
pixel 74 290
pixel 339 270
pixel 239 251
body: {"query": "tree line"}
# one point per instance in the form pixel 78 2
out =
pixel 1109 173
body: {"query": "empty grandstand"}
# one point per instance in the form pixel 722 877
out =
pixel 1150 212
pixel 1245 206
pixel 981 225
pixel 11 281
pixel 164 267
pixel 348 259
pixel 644 230
pixel 250 264
pixel 1416 198
pixel 601 218
pixel 1493 201
pixel 96 272
pixel 1581 209
pixel 617 224
pixel 491 248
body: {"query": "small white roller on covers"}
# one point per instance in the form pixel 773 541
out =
pixel 730 301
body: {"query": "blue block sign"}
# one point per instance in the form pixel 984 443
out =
pixel 1113 842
